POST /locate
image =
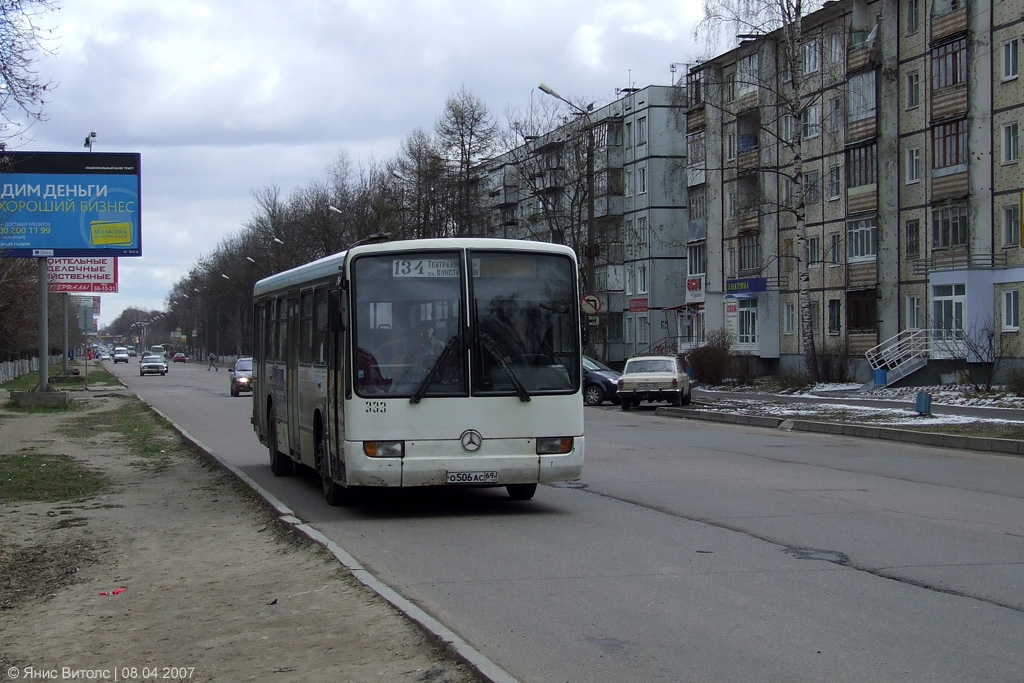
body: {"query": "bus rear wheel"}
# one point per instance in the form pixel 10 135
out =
pixel 521 491
pixel 280 464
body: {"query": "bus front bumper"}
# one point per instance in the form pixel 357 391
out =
pixel 445 463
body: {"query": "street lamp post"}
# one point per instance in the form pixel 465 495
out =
pixel 590 282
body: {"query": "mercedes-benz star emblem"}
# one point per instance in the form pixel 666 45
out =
pixel 471 440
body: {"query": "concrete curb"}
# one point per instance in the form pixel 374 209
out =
pixel 935 439
pixel 441 634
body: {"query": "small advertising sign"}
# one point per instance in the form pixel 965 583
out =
pixel 82 274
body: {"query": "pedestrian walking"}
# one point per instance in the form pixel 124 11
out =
pixel 213 363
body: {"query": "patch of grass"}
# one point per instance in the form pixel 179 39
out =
pixel 31 380
pixel 45 477
pixel 144 433
pixel 98 375
pixel 43 410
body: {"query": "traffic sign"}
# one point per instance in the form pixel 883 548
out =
pixel 590 303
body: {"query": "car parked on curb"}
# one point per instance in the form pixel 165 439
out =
pixel 240 375
pixel 654 378
pixel 600 382
pixel 120 354
pixel 153 365
pixel 180 357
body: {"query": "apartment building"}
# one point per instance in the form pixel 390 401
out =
pixel 892 180
pixel 637 250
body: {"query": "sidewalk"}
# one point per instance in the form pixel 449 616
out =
pixel 726 407
pixel 171 566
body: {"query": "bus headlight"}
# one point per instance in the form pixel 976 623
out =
pixel 384 449
pixel 554 445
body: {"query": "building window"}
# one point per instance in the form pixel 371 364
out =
pixel 948 311
pixel 698 205
pixel 697 259
pixel 629 133
pixel 812 187
pixel 835 182
pixel 747 75
pixel 641 231
pixel 949 225
pixel 730 204
pixel 836 53
pixel 730 145
pixel 913 170
pixel 835 321
pixel 748 321
pixel 949 64
pixel 913 312
pixel 861 313
pixel 788 128
pixel 913 90
pixel 789 319
pixel 1011 59
pixel 695 149
pixel 860 100
pixel 730 86
pixel 787 191
pixel 641 176
pixel 1011 226
pixel 750 253
pixel 695 88
pixel 1011 142
pixel 913 239
pixel 812 52
pixel 811 120
pixel 835 114
pixel 629 183
pixel 860 166
pixel 949 144
pixel 813 251
pixel 1011 310
pixel 861 238
pixel 913 16
pixel 641 279
pixel 641 130
pixel 835 251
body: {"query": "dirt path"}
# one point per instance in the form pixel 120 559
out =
pixel 215 589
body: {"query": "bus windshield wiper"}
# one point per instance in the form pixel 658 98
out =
pixel 434 369
pixel 492 348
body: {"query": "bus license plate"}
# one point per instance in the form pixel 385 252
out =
pixel 472 477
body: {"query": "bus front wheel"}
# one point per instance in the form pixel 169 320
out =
pixel 521 491
pixel 334 493
pixel 280 464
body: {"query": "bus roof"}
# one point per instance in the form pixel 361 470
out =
pixel 328 266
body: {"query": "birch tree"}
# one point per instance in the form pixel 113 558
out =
pixel 777 27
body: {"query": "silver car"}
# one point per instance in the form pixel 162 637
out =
pixel 153 365
pixel 241 376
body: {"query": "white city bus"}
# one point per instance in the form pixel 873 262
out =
pixel 421 363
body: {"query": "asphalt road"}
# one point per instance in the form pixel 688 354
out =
pixel 692 551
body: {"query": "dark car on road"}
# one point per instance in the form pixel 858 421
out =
pixel 600 382
pixel 241 376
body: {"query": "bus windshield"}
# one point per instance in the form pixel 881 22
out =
pixel 410 334
pixel 408 309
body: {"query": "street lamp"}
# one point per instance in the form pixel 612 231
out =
pixel 591 248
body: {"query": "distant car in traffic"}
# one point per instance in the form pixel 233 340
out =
pixel 180 357
pixel 120 354
pixel 600 382
pixel 240 375
pixel 654 378
pixel 153 365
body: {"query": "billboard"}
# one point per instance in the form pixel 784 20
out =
pixel 82 274
pixel 70 204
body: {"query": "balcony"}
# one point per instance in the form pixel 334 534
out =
pixel 960 260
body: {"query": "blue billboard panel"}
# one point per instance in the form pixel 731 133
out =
pixel 70 204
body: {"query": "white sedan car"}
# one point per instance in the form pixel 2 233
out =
pixel 653 378
pixel 153 365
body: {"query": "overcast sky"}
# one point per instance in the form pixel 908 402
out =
pixel 224 97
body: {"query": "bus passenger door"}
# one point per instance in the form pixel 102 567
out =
pixel 292 376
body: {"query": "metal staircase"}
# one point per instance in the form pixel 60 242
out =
pixel 901 355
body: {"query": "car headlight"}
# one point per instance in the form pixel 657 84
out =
pixel 243 380
pixel 384 449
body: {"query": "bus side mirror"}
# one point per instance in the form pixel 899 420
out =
pixel 584 330
pixel 337 312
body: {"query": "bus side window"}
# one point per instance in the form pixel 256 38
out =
pixel 337 311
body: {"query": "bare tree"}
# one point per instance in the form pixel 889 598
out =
pixel 22 36
pixel 776 28
pixel 466 133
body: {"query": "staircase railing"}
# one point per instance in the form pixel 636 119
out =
pixel 905 347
